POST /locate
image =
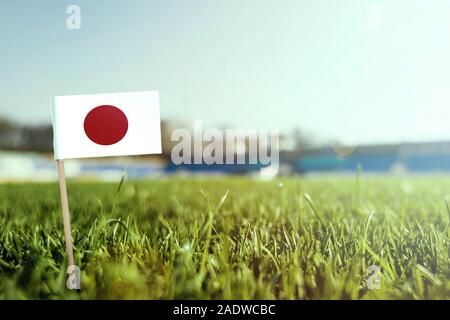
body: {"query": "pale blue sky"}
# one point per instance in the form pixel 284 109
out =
pixel 312 64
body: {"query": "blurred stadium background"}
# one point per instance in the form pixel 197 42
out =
pixel 26 154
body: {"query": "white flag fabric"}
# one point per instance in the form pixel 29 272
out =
pixel 107 124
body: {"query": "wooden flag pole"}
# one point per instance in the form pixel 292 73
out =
pixel 65 210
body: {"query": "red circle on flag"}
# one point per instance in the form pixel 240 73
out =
pixel 106 125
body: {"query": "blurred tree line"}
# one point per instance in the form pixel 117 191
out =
pixel 14 136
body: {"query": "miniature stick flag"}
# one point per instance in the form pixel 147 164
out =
pixel 102 125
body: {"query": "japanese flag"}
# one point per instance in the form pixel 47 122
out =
pixel 103 125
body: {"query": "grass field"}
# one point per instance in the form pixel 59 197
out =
pixel 230 238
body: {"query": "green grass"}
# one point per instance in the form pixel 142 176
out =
pixel 229 238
